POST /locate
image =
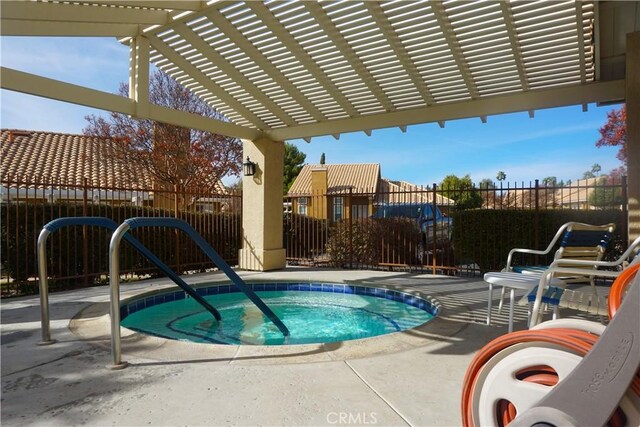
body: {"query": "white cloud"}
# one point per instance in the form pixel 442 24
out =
pixel 493 142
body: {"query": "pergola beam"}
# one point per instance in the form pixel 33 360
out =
pixel 25 27
pixel 258 57
pixel 507 15
pixel 454 47
pixel 502 104
pixel 400 51
pixel 333 33
pixel 206 82
pixel 230 71
pixel 579 23
pixel 19 81
pixel 271 22
pixel 55 12
pixel 158 4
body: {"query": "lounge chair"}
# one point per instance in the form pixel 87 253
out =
pixel 578 243
pixel 576 300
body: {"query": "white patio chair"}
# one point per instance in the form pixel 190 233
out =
pixel 578 242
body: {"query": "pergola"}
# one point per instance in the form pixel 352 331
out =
pixel 287 70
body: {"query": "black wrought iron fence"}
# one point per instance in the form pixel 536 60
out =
pixel 430 229
pixel 444 230
pixel 78 256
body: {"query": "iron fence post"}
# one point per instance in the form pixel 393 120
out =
pixel 350 229
pixel 176 205
pixel 536 228
pixel 433 248
pixel 85 237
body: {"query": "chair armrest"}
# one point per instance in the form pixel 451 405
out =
pixel 553 242
pixel 524 251
pixel 546 277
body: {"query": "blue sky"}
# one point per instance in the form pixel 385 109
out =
pixel 557 142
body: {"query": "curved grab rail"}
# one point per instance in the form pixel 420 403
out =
pixel 213 256
pixel 49 228
pixel 95 221
pixel 114 277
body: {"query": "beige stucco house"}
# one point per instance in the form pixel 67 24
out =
pixel 342 191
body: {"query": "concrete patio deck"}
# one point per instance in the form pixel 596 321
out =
pixel 413 381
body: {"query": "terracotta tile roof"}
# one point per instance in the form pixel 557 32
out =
pixel 406 192
pixel 67 158
pixel 360 177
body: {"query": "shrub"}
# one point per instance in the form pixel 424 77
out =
pixel 303 236
pixel 486 236
pixel 373 241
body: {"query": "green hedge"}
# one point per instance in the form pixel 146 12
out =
pixel 485 237
pixel 373 241
pixel 21 224
pixel 303 236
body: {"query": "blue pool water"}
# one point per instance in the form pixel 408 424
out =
pixel 311 316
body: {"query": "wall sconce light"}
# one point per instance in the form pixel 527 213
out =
pixel 249 168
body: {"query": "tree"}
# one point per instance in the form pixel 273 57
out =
pixel 461 191
pixel 236 186
pixel 193 160
pixel 501 176
pixel 550 181
pixel 293 161
pixel 322 159
pixel 614 132
pixel 605 195
pixel 489 193
pixel 486 184
pixel 596 168
pixel 587 175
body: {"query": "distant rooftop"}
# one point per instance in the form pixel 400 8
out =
pixel 359 177
pixel 66 158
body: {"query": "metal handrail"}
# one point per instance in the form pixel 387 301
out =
pixel 49 228
pixel 56 224
pixel 114 275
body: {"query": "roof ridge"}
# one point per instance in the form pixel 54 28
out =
pixel 343 164
pixel 44 132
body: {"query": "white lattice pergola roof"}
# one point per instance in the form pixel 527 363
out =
pixel 300 69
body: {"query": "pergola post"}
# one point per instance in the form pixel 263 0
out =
pixel 632 95
pixel 139 74
pixel 262 247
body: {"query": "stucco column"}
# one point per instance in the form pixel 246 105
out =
pixel 262 247
pixel 632 95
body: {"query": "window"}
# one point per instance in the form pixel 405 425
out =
pixel 338 204
pixel 302 205
pixel 359 211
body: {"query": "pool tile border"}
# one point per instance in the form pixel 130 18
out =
pixel 139 303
